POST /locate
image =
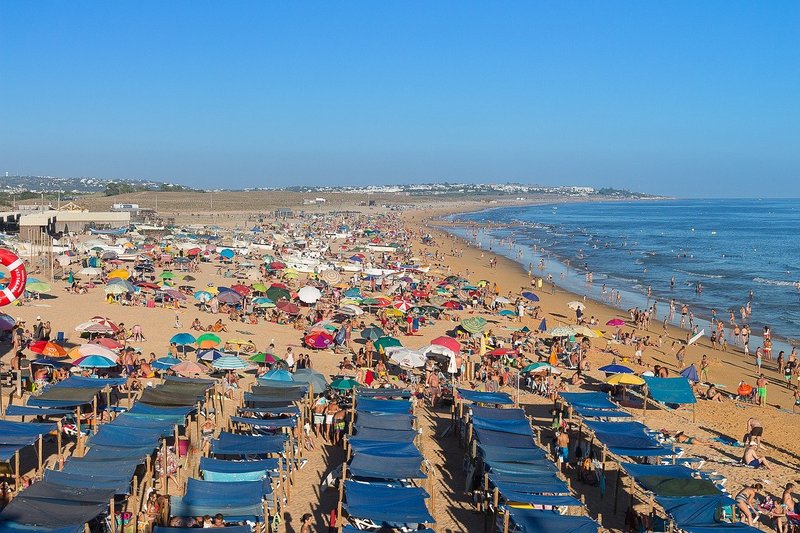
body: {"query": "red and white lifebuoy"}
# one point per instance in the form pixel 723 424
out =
pixel 17 274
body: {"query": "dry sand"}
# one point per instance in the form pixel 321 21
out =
pixel 453 509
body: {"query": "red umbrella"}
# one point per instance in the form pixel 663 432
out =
pixel 148 285
pixel 47 348
pixel 402 305
pixel 111 344
pixel 194 251
pixel 497 352
pixel 452 304
pixel 244 290
pixel 448 342
pixel 419 294
pixel 318 340
pixel 277 265
pixel 288 307
pixel 617 322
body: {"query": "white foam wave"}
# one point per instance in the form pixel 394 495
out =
pixel 699 275
pixel 775 282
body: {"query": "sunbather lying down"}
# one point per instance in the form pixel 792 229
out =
pixel 682 438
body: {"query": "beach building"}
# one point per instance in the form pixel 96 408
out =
pixel 53 222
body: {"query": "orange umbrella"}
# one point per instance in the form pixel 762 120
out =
pixel 47 348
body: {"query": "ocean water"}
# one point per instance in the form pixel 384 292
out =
pixel 728 247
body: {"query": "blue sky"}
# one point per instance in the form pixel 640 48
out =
pixel 682 97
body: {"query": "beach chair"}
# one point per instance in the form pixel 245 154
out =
pixel 60 338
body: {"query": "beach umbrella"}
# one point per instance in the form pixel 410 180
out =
pixel 385 342
pixel 575 305
pixel 175 295
pixel 586 331
pixel 502 300
pixel 208 340
pixel 615 369
pixel 90 272
pixel 119 273
pixel 107 342
pixel 625 379
pixel 507 312
pixel 203 296
pixel 130 287
pixel 696 337
pixel 259 287
pixel 49 361
pixel 318 340
pixel 243 290
pixel 537 367
pixel 344 384
pixel 278 375
pixel 435 349
pixel 312 377
pixel 402 305
pixel 91 349
pixel 530 296
pixel 230 362
pixel 278 293
pixel 227 253
pixel 94 361
pixel 351 310
pixel 690 373
pixel 95 327
pixel 164 363
pixel 210 355
pixel 288 307
pixel 147 285
pixel 448 342
pixel 7 322
pixel 230 297
pixel 353 293
pixel 474 324
pixel 47 348
pixel 615 322
pixel 189 368
pixel 330 276
pixel 212 289
pixel 277 265
pixel 407 358
pixel 183 339
pixel 290 274
pixel 264 303
pixel 372 333
pixel 37 286
pixel 453 304
pixel 264 358
pixel 309 294
pixel 115 288
pixel 562 331
pixel 166 275
pixel 499 352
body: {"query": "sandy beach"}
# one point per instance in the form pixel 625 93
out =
pixel 453 508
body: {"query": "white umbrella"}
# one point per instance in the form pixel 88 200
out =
pixel 350 309
pixel 575 304
pixel 309 294
pixel 502 300
pixel 407 358
pixel 697 337
pixel 90 271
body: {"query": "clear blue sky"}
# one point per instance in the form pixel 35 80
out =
pixel 691 98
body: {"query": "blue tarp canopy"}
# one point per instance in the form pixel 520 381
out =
pixel 221 465
pixel 543 484
pixel 670 390
pixel 383 393
pixel 513 426
pixel 384 421
pixel 23 433
pixel 116 453
pixel 400 435
pixel 539 499
pixel 13 527
pixel 491 413
pixel 721 527
pixel 590 412
pixel 511 455
pixel 525 469
pixel 125 437
pixel 51 505
pixel 593 400
pixel 282 410
pixel 81 382
pixel 235 500
pixel 533 521
pixel 266 422
pixel 627 438
pixel 384 448
pixel 372 405
pixel 229 529
pixel 387 505
pixel 144 410
pixel 120 484
pixel 694 510
pixel 23 410
pixel 88 467
pixel 495 398
pixel 378 467
pixel 233 444
pixel 637 470
pixel 499 438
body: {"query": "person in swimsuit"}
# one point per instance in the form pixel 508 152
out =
pixel 683 438
pixel 754 431
pixel 745 500
pixel 752 459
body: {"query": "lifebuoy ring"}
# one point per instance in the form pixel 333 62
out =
pixel 19 277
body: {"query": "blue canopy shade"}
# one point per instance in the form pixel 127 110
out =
pixel 668 471
pixel 24 410
pixel 627 438
pixel 384 448
pixel 541 484
pixel 496 398
pixel 383 393
pixel 145 410
pixel 81 382
pixel 387 505
pixel 229 529
pixel 384 421
pixel 221 465
pixel 241 500
pixel 588 412
pixel 533 521
pixel 119 484
pixel 13 527
pixel 516 427
pixel 126 437
pixel 499 438
pixel 378 467
pixel 539 499
pixel 383 406
pixel 23 433
pixel 51 505
pixel 670 390
pixel 493 454
pixel 265 422
pixel 282 410
pixel 234 444
pixel 492 413
pixel 694 510
pixel 594 400
pixel 400 435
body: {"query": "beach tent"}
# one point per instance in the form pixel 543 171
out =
pixel 670 390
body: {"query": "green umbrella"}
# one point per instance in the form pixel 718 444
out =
pixel 166 275
pixel 536 366
pixel 344 384
pixel 37 286
pixel 372 333
pixel 264 358
pixel 277 293
pixel 385 342
pixel 206 337
pixel 474 324
pixel 259 287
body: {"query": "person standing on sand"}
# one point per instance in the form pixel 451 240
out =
pixel 704 369
pixel 761 385
pixel 755 430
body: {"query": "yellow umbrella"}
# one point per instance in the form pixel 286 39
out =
pixel 291 275
pixel 212 290
pixel 120 273
pixel 394 312
pixel 625 379
pixel 586 332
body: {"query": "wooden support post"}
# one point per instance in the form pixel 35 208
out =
pixel 164 466
pixel 644 402
pixel 339 523
pixel 506 518
pixel 58 444
pixel 17 476
pixel 94 414
pixel 40 453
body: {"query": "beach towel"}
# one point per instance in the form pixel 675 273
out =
pixel 728 441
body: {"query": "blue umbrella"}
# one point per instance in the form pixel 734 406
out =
pixel 615 369
pixel 353 293
pixel 166 362
pixel 690 373
pixel 507 312
pixel 203 296
pixel 543 325
pixel 183 339
pixel 230 362
pixel 7 322
pixel 96 361
pixel 210 355
pixel 530 296
pixel 278 375
pixel 227 253
pixel 49 361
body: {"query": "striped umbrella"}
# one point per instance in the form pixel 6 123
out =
pixel 330 276
pixel 230 362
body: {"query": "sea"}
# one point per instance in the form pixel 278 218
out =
pixel 721 254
